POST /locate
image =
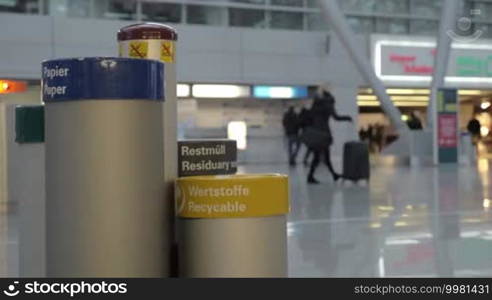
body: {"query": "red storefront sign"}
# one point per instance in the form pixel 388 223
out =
pixel 409 64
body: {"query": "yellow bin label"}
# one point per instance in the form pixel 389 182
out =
pixel 138 49
pixel 232 196
pixel 162 50
pixel 167 51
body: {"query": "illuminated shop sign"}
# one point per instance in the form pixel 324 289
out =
pixel 220 91
pixel 280 92
pixel 12 86
pixel 414 61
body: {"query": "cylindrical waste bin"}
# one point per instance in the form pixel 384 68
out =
pixel 158 41
pixel 104 167
pixel 233 225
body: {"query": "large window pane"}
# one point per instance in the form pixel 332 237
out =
pixel 361 25
pixel 205 15
pixel 486 30
pixel 392 26
pixel 423 27
pixel 161 12
pixel 482 10
pixel 249 1
pixel 247 18
pixel 391 6
pixel 69 8
pixel 78 8
pixel 315 22
pixel 313 3
pixel 115 9
pixel 286 20
pixel 298 3
pixel 425 8
pixel 19 6
pixel 364 6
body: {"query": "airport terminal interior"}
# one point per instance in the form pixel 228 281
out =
pixel 414 95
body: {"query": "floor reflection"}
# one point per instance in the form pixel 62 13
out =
pixel 423 222
pixel 8 242
pixel 3 240
pixel 406 222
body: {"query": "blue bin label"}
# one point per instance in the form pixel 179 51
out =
pixel 102 78
pixel 51 74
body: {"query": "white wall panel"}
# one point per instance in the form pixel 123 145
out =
pixel 24 42
pixel 209 67
pixel 205 53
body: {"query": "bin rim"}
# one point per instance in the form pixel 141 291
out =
pixel 253 176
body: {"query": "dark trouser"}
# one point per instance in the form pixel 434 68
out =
pixel 325 153
pixel 307 154
pixel 292 147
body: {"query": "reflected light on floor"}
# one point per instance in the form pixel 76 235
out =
pixel 386 208
pixel 486 204
pixel 381 268
pixel 470 234
pixel 401 242
pixel 483 165
pixel 471 220
pixel 290 229
pixel 375 225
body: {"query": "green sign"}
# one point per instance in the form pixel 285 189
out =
pixel 29 124
pixel 473 66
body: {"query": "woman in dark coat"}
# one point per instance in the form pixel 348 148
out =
pixel 322 111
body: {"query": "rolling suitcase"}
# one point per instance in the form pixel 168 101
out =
pixel 356 161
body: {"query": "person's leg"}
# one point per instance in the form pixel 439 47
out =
pixel 291 147
pixel 306 156
pixel 287 145
pixel 295 149
pixel 328 163
pixel 314 165
pixel 297 144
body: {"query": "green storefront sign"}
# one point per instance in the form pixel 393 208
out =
pixel 473 66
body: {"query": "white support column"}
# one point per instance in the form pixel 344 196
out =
pixel 26 189
pixel 334 16
pixel 139 11
pixel 444 40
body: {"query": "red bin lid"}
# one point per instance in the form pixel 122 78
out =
pixel 147 31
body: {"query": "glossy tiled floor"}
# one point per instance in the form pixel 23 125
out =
pixel 406 222
pixel 8 242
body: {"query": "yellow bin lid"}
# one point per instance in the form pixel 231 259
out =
pixel 232 196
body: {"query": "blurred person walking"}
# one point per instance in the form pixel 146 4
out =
pixel 371 138
pixel 414 122
pixel 474 127
pixel 363 134
pixel 318 137
pixel 379 137
pixel 305 120
pixel 290 121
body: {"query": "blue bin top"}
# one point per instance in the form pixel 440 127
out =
pixel 95 78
